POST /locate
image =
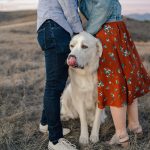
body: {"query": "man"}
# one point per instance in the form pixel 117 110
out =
pixel 57 21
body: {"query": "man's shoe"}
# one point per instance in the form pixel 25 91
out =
pixel 62 144
pixel 44 129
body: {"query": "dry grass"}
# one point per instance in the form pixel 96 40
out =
pixel 21 92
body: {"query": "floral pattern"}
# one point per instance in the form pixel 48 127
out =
pixel 121 74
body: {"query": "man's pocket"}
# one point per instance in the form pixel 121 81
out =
pixel 46 39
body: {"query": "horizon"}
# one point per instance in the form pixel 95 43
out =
pixel 128 6
pixel 135 6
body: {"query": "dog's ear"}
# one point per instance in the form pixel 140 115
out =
pixel 99 47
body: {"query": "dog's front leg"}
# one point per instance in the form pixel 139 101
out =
pixel 84 135
pixel 99 115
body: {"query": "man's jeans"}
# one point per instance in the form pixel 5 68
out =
pixel 54 41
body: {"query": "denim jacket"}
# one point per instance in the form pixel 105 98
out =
pixel 99 12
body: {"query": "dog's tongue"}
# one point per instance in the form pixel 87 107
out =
pixel 71 61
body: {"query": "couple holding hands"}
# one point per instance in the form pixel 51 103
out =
pixel 57 22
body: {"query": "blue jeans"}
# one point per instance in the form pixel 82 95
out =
pixel 54 41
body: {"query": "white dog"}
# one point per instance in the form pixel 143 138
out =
pixel 79 99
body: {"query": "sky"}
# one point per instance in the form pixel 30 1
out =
pixel 135 6
pixel 129 6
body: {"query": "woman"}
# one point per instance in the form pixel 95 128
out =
pixel 57 21
pixel 121 75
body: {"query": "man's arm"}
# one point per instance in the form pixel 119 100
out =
pixel 70 10
pixel 99 15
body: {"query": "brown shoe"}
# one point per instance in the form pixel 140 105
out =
pixel 122 141
pixel 137 131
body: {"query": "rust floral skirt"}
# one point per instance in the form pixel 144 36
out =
pixel 121 74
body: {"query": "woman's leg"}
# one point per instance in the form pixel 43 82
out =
pixel 133 118
pixel 119 119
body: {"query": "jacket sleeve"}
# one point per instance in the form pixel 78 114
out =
pixel 70 10
pixel 101 10
pixel 84 6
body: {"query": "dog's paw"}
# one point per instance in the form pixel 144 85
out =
pixel 83 140
pixel 94 138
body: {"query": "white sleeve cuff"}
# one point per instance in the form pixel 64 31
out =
pixel 77 27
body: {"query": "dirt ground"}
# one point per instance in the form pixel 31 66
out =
pixel 21 91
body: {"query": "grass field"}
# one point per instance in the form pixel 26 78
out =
pixel 22 84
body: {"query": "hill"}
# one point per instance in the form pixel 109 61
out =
pixel 139 29
pixel 141 17
pixel 17 17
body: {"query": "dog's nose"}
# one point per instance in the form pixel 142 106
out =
pixel 72 61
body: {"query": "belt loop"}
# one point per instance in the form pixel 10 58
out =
pixel 48 22
pixel 51 23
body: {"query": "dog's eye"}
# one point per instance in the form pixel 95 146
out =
pixel 84 46
pixel 71 46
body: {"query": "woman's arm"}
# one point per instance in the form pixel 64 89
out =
pixel 101 10
pixel 70 10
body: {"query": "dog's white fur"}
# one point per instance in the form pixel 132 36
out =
pixel 79 99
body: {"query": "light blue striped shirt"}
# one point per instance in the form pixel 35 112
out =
pixel 63 12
